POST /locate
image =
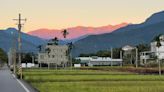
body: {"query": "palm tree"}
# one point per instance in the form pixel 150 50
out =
pixel 65 33
pixel 55 41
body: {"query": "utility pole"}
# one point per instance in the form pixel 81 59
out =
pixel 121 58
pixel 112 56
pixel 136 57
pixel 159 62
pixel 19 20
pixel 70 58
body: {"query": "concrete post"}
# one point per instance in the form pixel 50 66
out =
pixel 112 56
pixel 56 66
pixel 121 58
pixel 136 58
pixel 48 66
pixel 159 62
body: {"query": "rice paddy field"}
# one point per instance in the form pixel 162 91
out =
pixel 92 81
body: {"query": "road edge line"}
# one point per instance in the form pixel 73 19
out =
pixel 23 86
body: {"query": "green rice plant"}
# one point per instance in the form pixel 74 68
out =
pixel 92 81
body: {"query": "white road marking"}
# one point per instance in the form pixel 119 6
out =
pixel 25 88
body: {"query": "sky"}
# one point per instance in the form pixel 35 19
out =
pixel 59 14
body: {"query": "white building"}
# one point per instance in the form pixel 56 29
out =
pixel 98 61
pixel 54 54
pixel 155 51
pixel 158 51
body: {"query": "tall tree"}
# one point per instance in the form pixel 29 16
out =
pixel 65 33
pixel 27 58
pixel 143 47
pixel 3 56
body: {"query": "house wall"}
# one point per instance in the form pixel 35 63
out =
pixel 156 49
pixel 56 55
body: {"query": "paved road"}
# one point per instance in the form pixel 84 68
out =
pixel 8 83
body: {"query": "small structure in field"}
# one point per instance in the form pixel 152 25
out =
pixel 130 55
pixel 77 65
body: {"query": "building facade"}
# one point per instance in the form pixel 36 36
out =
pixel 54 54
pixel 155 52
pixel 158 51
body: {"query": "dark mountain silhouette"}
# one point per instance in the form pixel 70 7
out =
pixel 29 43
pixel 130 35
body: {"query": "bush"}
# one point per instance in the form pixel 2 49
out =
pixel 3 56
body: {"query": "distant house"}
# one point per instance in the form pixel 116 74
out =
pixel 127 49
pixel 154 52
pixel 155 49
pixel 99 61
pixel 54 55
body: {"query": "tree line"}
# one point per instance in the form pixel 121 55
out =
pixel 3 56
pixel 116 51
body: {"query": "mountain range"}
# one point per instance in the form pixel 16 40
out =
pixel 100 39
pixel 75 32
pixel 133 34
pixel 8 39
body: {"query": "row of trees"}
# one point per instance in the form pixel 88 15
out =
pixel 104 53
pixel 116 51
pixel 3 56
